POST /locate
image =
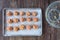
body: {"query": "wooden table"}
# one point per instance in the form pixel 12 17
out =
pixel 49 33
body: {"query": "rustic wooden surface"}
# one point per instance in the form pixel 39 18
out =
pixel 49 33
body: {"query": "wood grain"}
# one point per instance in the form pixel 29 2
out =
pixel 19 38
pixel 49 33
pixel 5 38
pixel 30 38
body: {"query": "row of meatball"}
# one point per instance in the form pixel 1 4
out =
pixel 22 27
pixel 15 20
pixel 21 13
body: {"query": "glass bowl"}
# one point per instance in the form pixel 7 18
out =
pixel 52 14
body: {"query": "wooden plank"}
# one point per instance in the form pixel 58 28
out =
pixel 5 38
pixel 53 33
pixel 11 38
pixel 18 38
pixel 0 18
pixel 0 24
pixel 1 37
pixel 30 38
pixel 41 37
pixel 1 2
pixel 19 3
pixel 46 28
pixel 58 34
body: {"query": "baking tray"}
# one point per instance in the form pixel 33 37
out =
pixel 31 32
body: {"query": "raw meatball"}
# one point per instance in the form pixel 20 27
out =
pixel 16 13
pixel 21 27
pixel 22 19
pixel 28 27
pixel 34 13
pixel 16 28
pixel 35 26
pixel 16 20
pixel 28 19
pixel 21 13
pixel 9 21
pixel 35 19
pixel 9 28
pixel 9 13
pixel 28 13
